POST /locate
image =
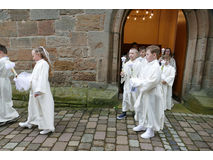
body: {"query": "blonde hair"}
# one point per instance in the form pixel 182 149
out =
pixel 134 50
pixel 40 51
pixel 154 49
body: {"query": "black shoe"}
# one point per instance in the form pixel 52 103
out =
pixel 123 115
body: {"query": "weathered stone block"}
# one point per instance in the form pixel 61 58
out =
pixel 20 43
pixel 90 22
pixel 28 28
pixel 8 29
pixel 209 52
pixel 61 78
pixel 4 15
pixel 24 65
pixel 95 11
pixel 98 42
pixel 71 11
pixel 40 14
pixel 101 97
pixel 192 24
pixel 63 65
pixel 24 55
pixel 84 64
pixel 5 42
pixel 65 24
pixel 73 52
pixel 201 49
pixel 71 95
pixel 203 23
pixel 52 53
pixel 46 28
pixel 78 39
pixel 84 76
pixel 57 41
pixel 19 14
pixel 38 41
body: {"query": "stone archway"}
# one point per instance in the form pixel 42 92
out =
pixel 197 29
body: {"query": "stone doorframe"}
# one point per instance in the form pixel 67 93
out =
pixel 197 36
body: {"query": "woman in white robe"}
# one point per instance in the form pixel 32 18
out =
pixel 149 104
pixel 130 69
pixel 41 104
pixel 167 79
pixel 7 112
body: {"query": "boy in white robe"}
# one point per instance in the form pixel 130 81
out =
pixel 7 112
pixel 130 69
pixel 167 79
pixel 149 104
pixel 41 104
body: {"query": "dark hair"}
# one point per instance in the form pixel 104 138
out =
pixel 170 51
pixel 3 49
pixel 142 48
pixel 154 49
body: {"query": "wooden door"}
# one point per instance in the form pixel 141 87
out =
pixel 180 54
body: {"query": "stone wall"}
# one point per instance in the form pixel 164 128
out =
pixel 77 40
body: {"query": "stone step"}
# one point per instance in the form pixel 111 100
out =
pixel 199 102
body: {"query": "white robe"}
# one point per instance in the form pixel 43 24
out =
pixel 130 69
pixel 41 108
pixel 7 112
pixel 149 104
pixel 168 75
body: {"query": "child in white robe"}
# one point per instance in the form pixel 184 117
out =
pixel 7 112
pixel 167 79
pixel 41 104
pixel 142 53
pixel 130 69
pixel 149 104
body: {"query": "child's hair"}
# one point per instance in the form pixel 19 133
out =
pixel 142 48
pixel 134 50
pixel 41 51
pixel 154 49
pixel 3 49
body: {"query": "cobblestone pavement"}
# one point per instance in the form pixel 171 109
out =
pixel 98 130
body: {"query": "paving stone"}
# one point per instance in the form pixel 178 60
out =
pixel 87 138
pixel 134 143
pixel 23 144
pixel 201 144
pixel 146 146
pixel 122 133
pixel 76 138
pixel 159 149
pixel 189 130
pixel 10 145
pixel 192 147
pixel 84 146
pixel 122 140
pixel 71 149
pixel 65 137
pixel 111 129
pixel 98 143
pixel 183 149
pixel 39 139
pixel 44 149
pixel 122 148
pixel 167 147
pixel 28 139
pixel 97 148
pixel 156 143
pixel 110 140
pixel 59 146
pixel 91 125
pixel 101 127
pixel 18 138
pixel 6 131
pixel 19 149
pixel 195 136
pixel 10 136
pixel 100 135
pixel 109 147
pixel 4 141
pixel 49 142
pixel 73 143
pixel 33 147
pixel 187 140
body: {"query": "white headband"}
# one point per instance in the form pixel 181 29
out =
pixel 47 55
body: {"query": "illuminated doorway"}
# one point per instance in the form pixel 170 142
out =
pixel 165 28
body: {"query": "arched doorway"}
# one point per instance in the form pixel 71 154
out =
pixel 166 28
